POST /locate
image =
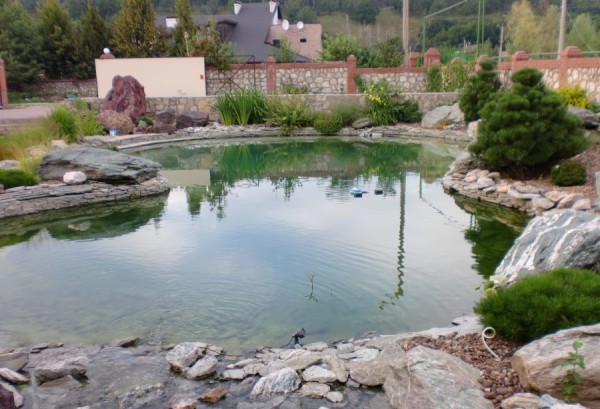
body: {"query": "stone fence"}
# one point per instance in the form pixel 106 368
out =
pixel 341 77
pixel 62 88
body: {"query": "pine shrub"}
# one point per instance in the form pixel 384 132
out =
pixel 327 124
pixel 478 90
pixel 569 174
pixel 526 128
pixel 15 177
pixel 541 304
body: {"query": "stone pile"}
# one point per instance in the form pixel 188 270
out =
pixel 489 187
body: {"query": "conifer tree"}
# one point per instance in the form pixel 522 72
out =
pixel 56 33
pixel 135 33
pixel 185 30
pixel 478 90
pixel 527 128
pixel 19 45
pixel 92 37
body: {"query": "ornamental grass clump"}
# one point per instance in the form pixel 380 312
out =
pixel 526 129
pixel 327 124
pixel 16 177
pixel 241 107
pixel 289 113
pixel 541 304
pixel 67 123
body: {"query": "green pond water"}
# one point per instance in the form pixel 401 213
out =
pixel 254 242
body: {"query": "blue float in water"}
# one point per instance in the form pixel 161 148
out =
pixel 355 190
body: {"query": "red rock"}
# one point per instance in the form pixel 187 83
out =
pixel 126 96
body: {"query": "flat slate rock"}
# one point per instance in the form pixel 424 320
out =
pixel 98 164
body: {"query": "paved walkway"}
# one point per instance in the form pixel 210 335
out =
pixel 11 118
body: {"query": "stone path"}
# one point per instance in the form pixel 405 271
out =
pixel 12 118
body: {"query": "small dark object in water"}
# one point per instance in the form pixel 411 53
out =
pixel 301 333
pixel 378 191
pixel 357 195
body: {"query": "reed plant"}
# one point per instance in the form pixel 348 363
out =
pixel 67 123
pixel 241 107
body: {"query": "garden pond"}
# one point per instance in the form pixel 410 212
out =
pixel 254 241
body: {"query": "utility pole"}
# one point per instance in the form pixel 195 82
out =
pixel 405 30
pixel 561 29
pixel 501 43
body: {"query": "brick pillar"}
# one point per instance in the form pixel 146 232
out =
pixel 565 55
pixel 413 59
pixel 432 56
pixel 271 76
pixel 351 73
pixel 516 59
pixel 3 88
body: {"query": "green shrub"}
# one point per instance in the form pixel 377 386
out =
pixel 16 177
pixel 455 76
pixel 67 123
pixel 147 120
pixel 346 113
pixel 526 128
pixel 242 107
pixel 541 304
pixel 289 113
pixel 478 90
pixel 407 111
pixel 574 96
pixel 569 174
pixel 434 82
pixel 380 103
pixel 327 124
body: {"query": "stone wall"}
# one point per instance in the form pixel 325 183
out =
pixel 318 102
pixel 240 76
pixel 312 80
pixel 404 79
pixel 20 201
pixel 61 88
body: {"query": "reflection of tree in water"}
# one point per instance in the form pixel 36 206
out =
pixel 492 231
pixel 89 222
pixel 286 164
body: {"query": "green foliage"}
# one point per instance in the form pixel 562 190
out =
pixel 57 47
pixel 584 33
pixel 478 90
pixel 407 111
pixel 135 33
pixel 289 113
pixel 285 53
pixel 383 107
pixel 208 44
pixel 146 119
pixel 289 87
pixel 362 11
pixel 87 122
pixel 327 124
pixel 573 378
pixel 20 45
pixel 242 107
pixel 92 36
pixel 541 304
pixel 526 128
pixel 346 113
pixel 446 78
pixel 531 32
pixel 16 177
pixel 67 123
pixel 295 10
pixel 185 29
pixel 574 96
pixel 569 174
pixel 338 48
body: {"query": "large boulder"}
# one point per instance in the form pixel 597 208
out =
pixel 431 379
pixel 588 118
pixel 285 380
pixel 114 120
pixel 98 164
pixel 126 96
pixel 539 363
pixel 192 119
pixel 443 116
pixel 61 366
pixel 559 238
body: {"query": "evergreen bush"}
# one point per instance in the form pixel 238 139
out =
pixel 478 90
pixel 568 174
pixel 16 177
pixel 541 304
pixel 407 111
pixel 327 124
pixel 526 128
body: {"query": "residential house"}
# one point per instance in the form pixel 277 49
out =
pixel 255 28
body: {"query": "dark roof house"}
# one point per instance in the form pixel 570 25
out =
pixel 250 29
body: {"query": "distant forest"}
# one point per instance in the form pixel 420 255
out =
pixel 315 8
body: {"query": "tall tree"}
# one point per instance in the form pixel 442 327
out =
pixel 135 32
pixel 529 32
pixel 584 34
pixel 92 37
pixel 186 28
pixel 19 45
pixel 58 47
